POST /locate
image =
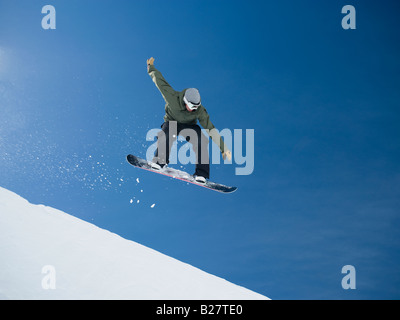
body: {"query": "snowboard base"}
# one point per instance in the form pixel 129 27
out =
pixel 178 174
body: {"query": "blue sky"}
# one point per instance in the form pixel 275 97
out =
pixel 323 101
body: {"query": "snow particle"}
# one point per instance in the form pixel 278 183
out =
pixel 153 205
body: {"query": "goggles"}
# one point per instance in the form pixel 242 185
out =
pixel 191 105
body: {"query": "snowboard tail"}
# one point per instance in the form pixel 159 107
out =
pixel 178 174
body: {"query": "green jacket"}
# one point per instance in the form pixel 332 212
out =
pixel 175 109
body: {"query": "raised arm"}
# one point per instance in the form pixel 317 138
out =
pixel 166 90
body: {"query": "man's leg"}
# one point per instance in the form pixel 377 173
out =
pixel 165 139
pixel 200 147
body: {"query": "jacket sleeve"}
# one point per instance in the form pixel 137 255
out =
pixel 166 90
pixel 204 119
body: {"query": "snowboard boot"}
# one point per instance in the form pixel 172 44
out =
pixel 200 179
pixel 156 166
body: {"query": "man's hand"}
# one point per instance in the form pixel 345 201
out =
pixel 227 155
pixel 150 61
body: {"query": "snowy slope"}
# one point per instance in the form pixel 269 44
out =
pixel 83 261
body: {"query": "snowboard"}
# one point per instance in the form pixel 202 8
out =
pixel 178 174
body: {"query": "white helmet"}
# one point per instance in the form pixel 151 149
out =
pixel 192 98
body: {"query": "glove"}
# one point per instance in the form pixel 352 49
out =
pixel 227 155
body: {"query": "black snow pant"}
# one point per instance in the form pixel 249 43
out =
pixel 192 134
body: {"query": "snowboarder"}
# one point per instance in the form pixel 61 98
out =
pixel 182 111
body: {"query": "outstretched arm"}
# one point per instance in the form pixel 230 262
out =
pixel 166 90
